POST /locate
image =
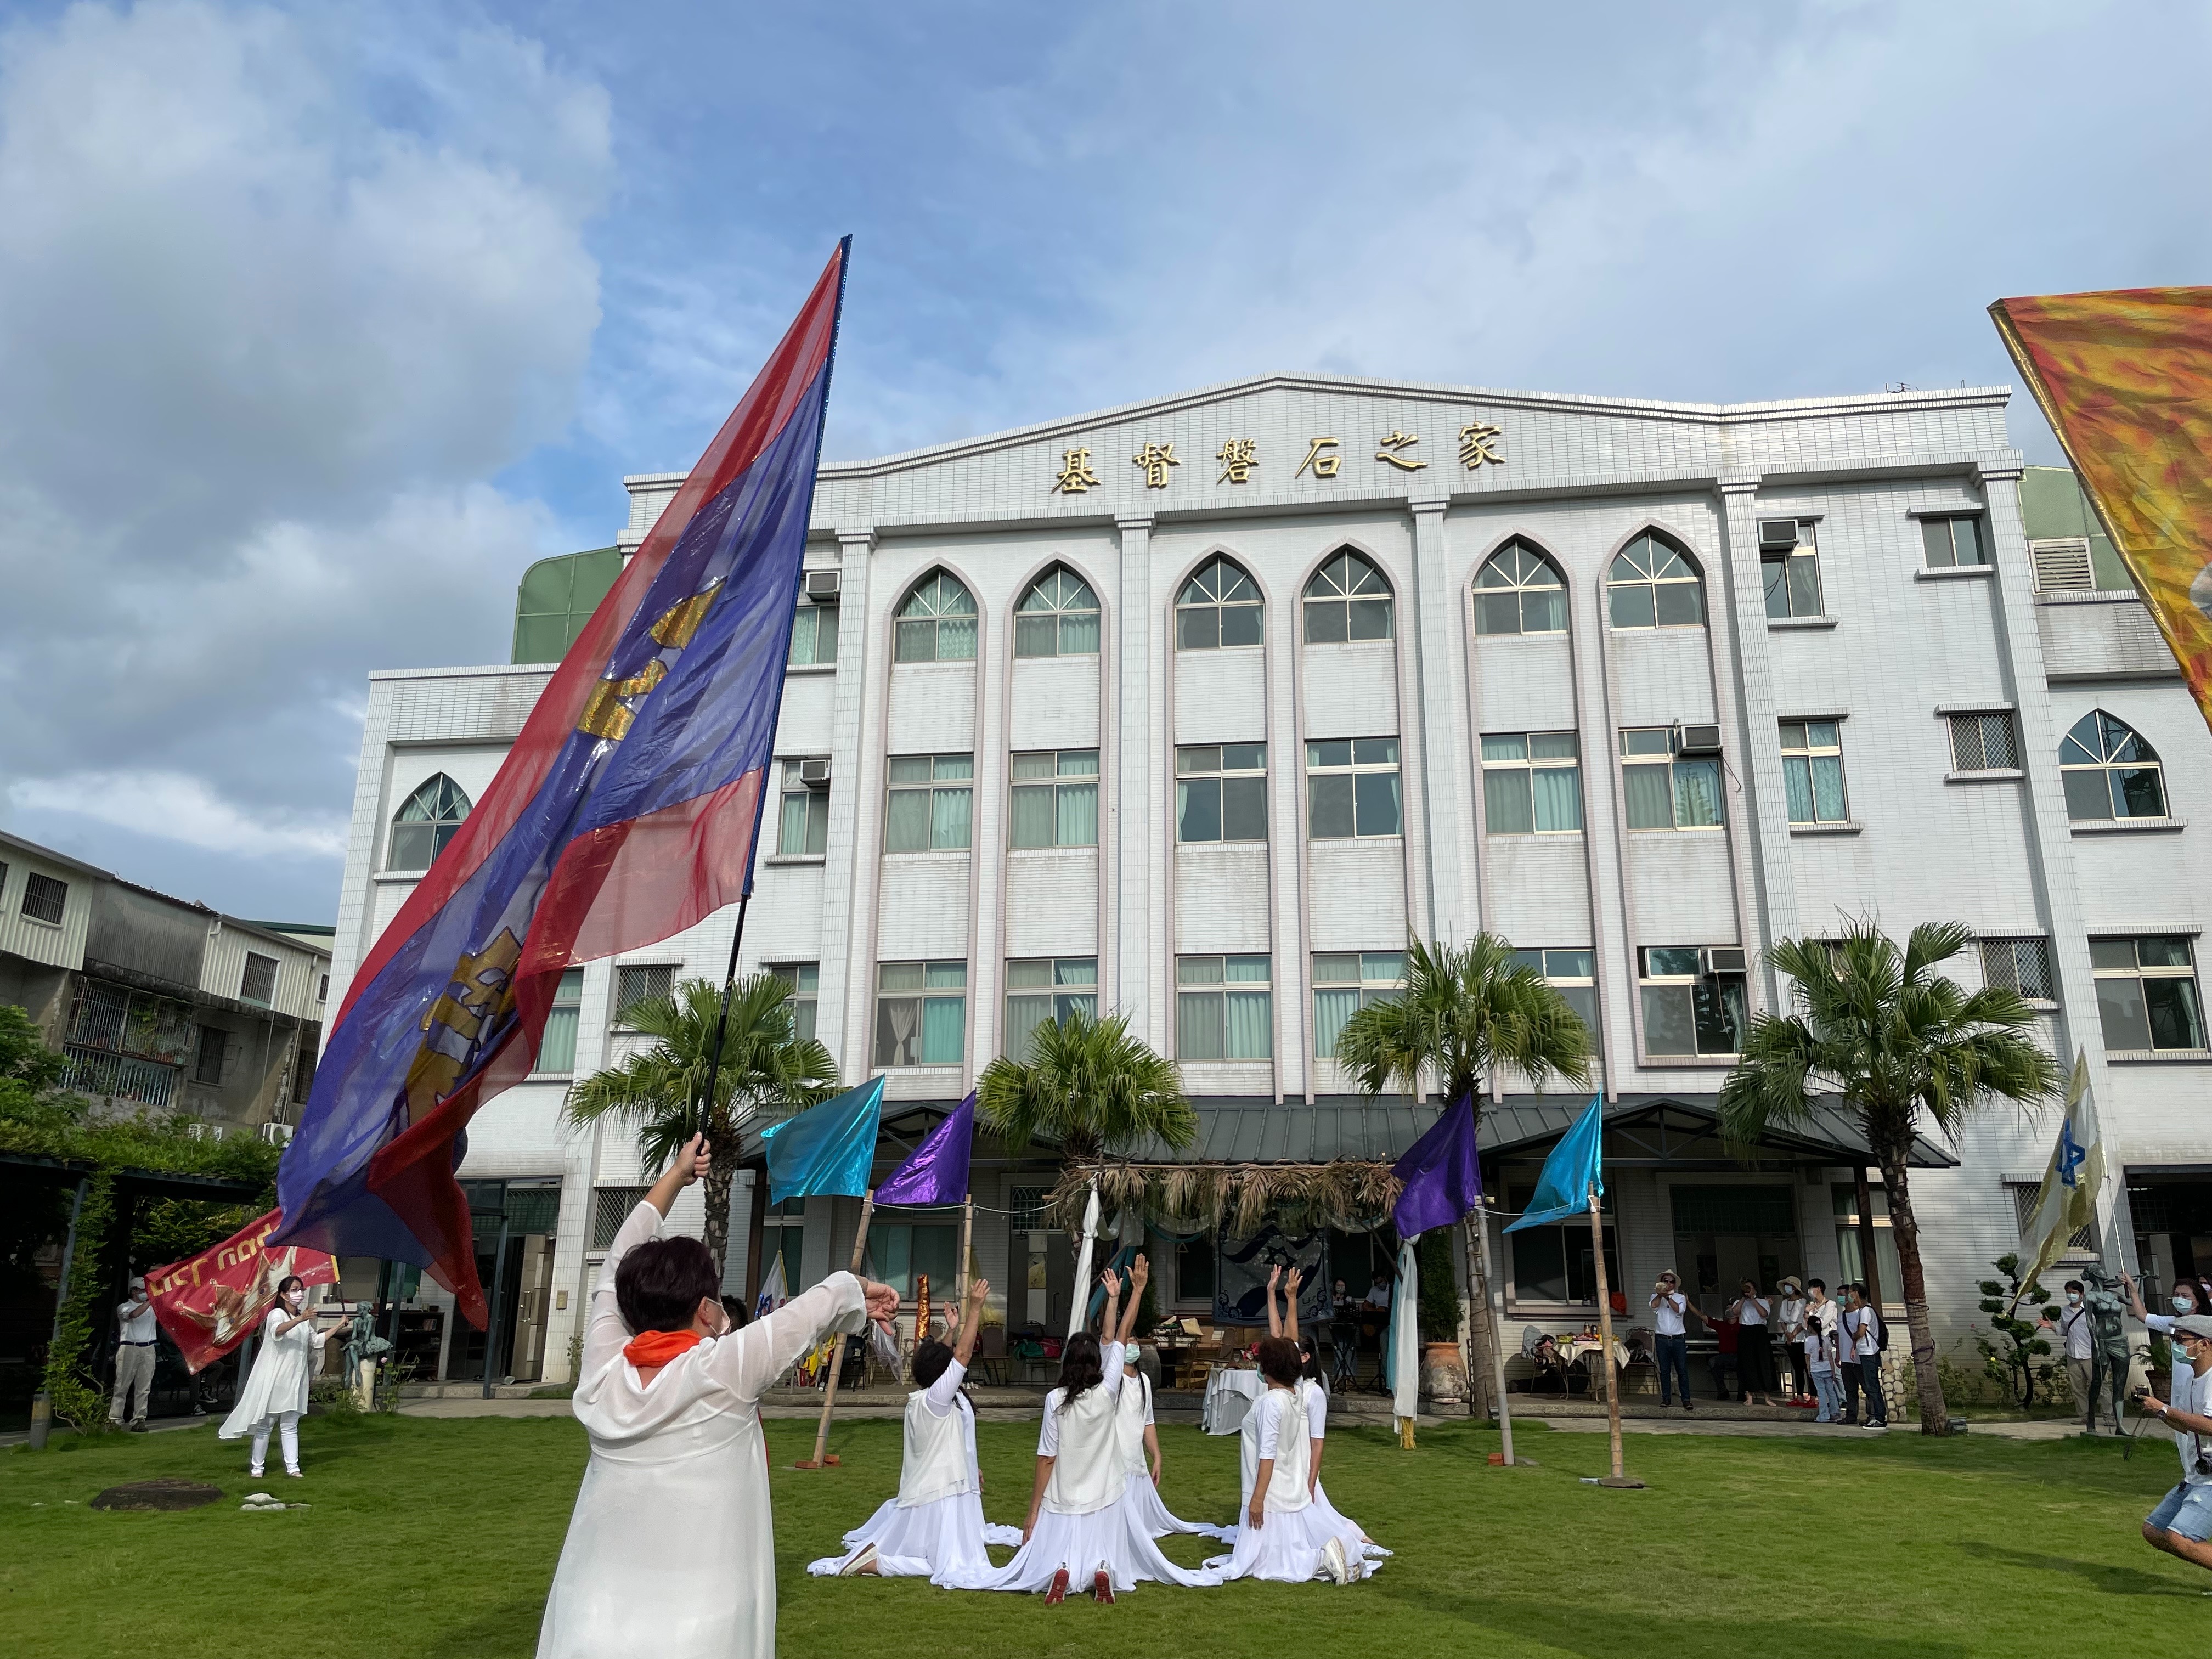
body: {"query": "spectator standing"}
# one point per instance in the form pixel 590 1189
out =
pixel 2188 1297
pixel 134 1356
pixel 1862 1333
pixel 1670 1336
pixel 1816 1348
pixel 2078 1340
pixel 1754 1346
pixel 1790 1328
pixel 2181 1525
pixel 1820 1318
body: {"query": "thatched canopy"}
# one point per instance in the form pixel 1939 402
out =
pixel 1349 1194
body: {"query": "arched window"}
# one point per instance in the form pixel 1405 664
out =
pixel 2109 771
pixel 1347 599
pixel 421 829
pixel 1519 591
pixel 1218 606
pixel 937 621
pixel 1653 586
pixel 1057 617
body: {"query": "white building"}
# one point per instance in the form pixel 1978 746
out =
pixel 1202 706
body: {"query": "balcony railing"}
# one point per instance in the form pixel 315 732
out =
pixel 118 1077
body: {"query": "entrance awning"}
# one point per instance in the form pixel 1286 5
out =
pixel 1676 1132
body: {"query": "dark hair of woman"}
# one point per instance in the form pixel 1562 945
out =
pixel 1279 1361
pixel 931 1356
pixel 661 1283
pixel 1309 1354
pixel 1079 1370
pixel 289 1281
pixel 740 1315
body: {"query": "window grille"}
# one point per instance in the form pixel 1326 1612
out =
pixel 610 1207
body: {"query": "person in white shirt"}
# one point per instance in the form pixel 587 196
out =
pixel 934 1528
pixel 1860 1338
pixel 1754 1346
pixel 1378 1293
pixel 274 1393
pixel 1790 1330
pixel 2188 1297
pixel 1822 1365
pixel 134 1356
pixel 671 1553
pixel 1141 1438
pixel 2181 1525
pixel 2077 1337
pixel 1671 1336
pixel 1282 1536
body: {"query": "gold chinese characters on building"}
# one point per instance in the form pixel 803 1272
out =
pixel 1479 446
pixel 1237 456
pixel 1156 459
pixel 1075 475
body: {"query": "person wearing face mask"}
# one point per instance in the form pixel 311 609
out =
pixel 2078 1337
pixel 276 1394
pixel 2188 1297
pixel 670 1551
pixel 2181 1525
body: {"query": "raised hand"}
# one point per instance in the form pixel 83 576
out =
pixel 1140 1273
pixel 693 1161
pixel 1112 1281
pixel 883 1301
pixel 979 1291
pixel 1274 1276
pixel 1295 1280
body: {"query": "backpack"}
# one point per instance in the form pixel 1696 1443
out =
pixel 1880 1335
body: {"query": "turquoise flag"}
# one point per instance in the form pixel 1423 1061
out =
pixel 1575 1169
pixel 827 1149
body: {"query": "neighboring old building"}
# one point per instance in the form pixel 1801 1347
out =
pixel 1199 709
pixel 161 1005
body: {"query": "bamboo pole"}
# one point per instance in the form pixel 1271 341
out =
pixel 822 1458
pixel 1605 1358
pixel 1494 1315
pixel 967 1249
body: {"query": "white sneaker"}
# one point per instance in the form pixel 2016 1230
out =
pixel 861 1561
pixel 1334 1564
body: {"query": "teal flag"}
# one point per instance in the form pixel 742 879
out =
pixel 827 1149
pixel 1575 1169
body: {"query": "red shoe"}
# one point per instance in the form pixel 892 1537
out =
pixel 1102 1587
pixel 1058 1593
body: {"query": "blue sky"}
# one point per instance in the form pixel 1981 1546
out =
pixel 325 321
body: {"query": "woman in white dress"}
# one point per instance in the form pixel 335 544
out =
pixel 276 1392
pixel 671 1553
pixel 1140 1439
pixel 934 1528
pixel 1283 1537
pixel 1076 1521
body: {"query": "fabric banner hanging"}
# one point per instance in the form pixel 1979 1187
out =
pixel 828 1150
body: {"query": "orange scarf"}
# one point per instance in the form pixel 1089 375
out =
pixel 651 1350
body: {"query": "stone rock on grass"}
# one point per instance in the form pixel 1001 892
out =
pixel 168 1493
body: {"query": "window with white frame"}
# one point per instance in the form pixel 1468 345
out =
pixel 1044 991
pixel 1057 617
pixel 44 898
pixel 1573 974
pixel 1662 790
pixel 1221 791
pixel 1791 571
pixel 1224 1008
pixel 1353 788
pixel 1055 799
pixel 2147 992
pixel 1687 1012
pixel 804 829
pixel 921 1013
pixel 1983 742
pixel 556 1045
pixel 642 983
pixel 931 802
pixel 1217 608
pixel 813 636
pixel 1520 591
pixel 1343 982
pixel 1812 771
pixel 937 621
pixel 1653 585
pixel 2109 772
pixel 2021 965
pixel 1347 599
pixel 1951 541
pixel 804 980
pixel 1532 783
pixel 425 822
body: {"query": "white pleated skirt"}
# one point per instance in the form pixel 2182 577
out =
pixel 940 1541
pixel 1149 1516
pixel 1081 1543
pixel 1288 1548
pixel 1338 1523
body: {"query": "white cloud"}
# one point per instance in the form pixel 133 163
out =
pixel 182 809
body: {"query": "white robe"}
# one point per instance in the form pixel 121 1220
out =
pixel 283 1366
pixel 1139 1496
pixel 1315 1399
pixel 671 1552
pixel 1288 1546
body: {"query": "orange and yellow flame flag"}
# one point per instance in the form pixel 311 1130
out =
pixel 2125 380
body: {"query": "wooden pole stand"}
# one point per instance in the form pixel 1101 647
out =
pixel 1605 1354
pixel 822 1458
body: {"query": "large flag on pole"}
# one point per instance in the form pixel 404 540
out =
pixel 2125 380
pixel 1441 1175
pixel 1575 1170
pixel 627 811
pixel 827 1150
pixel 2066 1202
pixel 936 1171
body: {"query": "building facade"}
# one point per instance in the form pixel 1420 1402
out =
pixel 1199 709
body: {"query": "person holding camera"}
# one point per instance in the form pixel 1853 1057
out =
pixel 1670 1336
pixel 2181 1525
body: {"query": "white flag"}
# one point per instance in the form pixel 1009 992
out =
pixel 2067 1201
pixel 774 1293
pixel 1078 1315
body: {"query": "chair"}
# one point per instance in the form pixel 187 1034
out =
pixel 1344 1345
pixel 990 1367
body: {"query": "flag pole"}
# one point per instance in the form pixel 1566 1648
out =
pixel 1494 1314
pixel 967 1244
pixel 1605 1336
pixel 822 1458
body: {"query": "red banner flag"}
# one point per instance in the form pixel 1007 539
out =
pixel 209 1303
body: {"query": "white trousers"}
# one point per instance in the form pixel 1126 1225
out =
pixel 134 1382
pixel 288 1424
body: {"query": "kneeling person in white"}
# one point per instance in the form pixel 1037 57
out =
pixel 671 1553
pixel 934 1528
pixel 1283 1537
pixel 1140 1438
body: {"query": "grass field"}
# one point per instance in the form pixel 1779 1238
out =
pixel 438 1538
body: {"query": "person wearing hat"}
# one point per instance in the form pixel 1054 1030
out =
pixel 2181 1525
pixel 1790 1319
pixel 134 1356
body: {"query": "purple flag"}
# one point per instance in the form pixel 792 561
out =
pixel 936 1172
pixel 1443 1181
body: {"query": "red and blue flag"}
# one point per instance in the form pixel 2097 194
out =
pixel 628 810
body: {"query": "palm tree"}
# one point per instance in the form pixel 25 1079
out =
pixel 1465 1011
pixel 1883 1029
pixel 1089 1085
pixel 661 1091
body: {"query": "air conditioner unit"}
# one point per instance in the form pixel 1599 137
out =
pixel 1696 740
pixel 1722 959
pixel 822 586
pixel 277 1134
pixel 814 774
pixel 1776 534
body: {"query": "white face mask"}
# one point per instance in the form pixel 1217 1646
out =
pixel 2183 1305
pixel 2073 1298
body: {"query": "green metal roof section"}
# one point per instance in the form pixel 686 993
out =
pixel 554 599
pixel 2054 506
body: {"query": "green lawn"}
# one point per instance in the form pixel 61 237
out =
pixel 439 1539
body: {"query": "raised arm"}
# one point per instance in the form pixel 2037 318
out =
pixel 1291 1300
pixel 1140 1273
pixel 2135 1296
pixel 1111 1325
pixel 1275 1319
pixel 971 1321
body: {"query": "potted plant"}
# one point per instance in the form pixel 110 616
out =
pixel 1444 1367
